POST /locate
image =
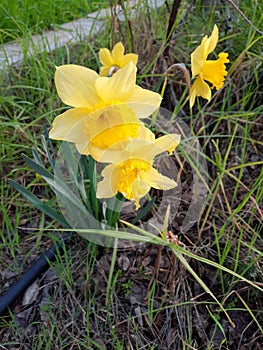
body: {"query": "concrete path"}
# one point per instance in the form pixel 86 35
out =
pixel 13 53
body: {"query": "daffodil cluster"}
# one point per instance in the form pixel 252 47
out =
pixel 105 122
pixel 105 119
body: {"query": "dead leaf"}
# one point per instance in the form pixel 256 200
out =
pixel 31 293
pixel 124 262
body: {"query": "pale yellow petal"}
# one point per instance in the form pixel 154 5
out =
pixel 69 126
pixel 204 40
pixel 143 146
pixel 104 71
pixel 144 102
pixel 140 147
pixel 119 87
pixel 129 57
pixel 105 57
pixel 139 190
pixel 199 88
pixel 192 96
pixel 109 155
pixel 111 129
pixel 76 85
pixel 117 54
pixel 108 187
pixel 146 134
pixel 156 180
pixel 146 147
pixel 211 42
pixel 199 56
pixel 197 61
pixel 83 147
pixel 168 142
pixel 109 117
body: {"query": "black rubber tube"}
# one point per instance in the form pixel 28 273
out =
pixel 37 268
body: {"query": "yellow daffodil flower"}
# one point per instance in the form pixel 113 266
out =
pixel 131 172
pixel 114 60
pixel 207 70
pixel 105 110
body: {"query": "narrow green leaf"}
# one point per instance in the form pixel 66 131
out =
pixel 36 167
pixel 37 158
pixel 39 204
pixel 56 183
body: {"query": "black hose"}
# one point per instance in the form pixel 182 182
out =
pixel 37 268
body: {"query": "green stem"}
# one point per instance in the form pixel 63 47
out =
pixel 113 261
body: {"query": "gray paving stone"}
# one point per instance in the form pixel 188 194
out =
pixel 13 53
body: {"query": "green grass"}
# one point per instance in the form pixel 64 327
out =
pixel 21 17
pixel 88 300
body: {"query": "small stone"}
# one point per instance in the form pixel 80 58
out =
pixel 124 262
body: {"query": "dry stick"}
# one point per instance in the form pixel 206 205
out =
pixel 129 25
pixel 156 270
pixel 172 18
pixel 171 276
pixel 114 20
pixel 183 69
pixel 245 17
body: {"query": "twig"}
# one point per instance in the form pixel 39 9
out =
pixel 172 18
pixel 245 17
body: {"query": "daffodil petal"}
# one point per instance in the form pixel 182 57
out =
pixel 192 96
pixel 69 125
pixel 109 155
pixel 104 71
pixel 119 87
pixel 142 149
pixel 105 57
pixel 130 57
pixel 131 148
pixel 144 102
pixel 168 142
pixel 139 190
pixel 156 180
pixel 75 85
pixel 199 56
pixel 111 116
pixel 107 188
pixel 118 53
pixel 199 88
pixel 147 148
pixel 211 42
pixel 124 148
pixel 143 146
pixel 197 61
pixel 106 141
pixel 83 147
pixel 146 134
